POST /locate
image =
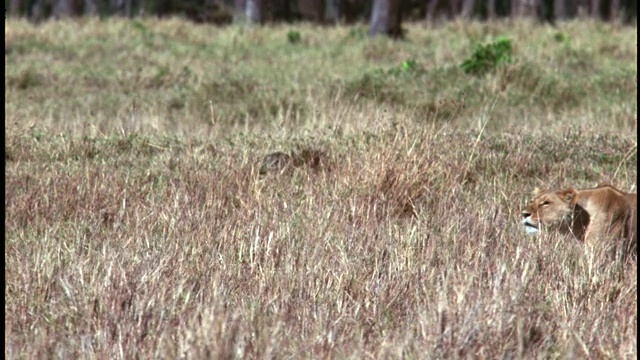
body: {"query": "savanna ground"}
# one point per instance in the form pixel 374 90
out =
pixel 138 226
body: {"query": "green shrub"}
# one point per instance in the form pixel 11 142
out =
pixel 294 37
pixel 487 57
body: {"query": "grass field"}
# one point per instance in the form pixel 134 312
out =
pixel 138 226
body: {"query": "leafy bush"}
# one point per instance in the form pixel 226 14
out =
pixel 487 57
pixel 294 37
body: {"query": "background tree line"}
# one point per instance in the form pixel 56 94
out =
pixel 386 16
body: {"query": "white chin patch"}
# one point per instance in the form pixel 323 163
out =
pixel 529 228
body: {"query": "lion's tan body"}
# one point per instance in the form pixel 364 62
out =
pixel 591 215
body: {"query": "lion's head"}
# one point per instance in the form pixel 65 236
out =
pixel 554 210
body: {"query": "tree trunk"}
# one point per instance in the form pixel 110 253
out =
pixel 238 11
pixel 630 8
pixel 515 8
pixel 560 11
pixel 614 10
pixel 254 11
pixel 64 8
pixel 467 8
pixel 15 7
pixel 312 10
pixel 37 11
pixel 90 7
pixel 281 10
pixel 595 9
pixel 434 7
pixel 524 8
pixel 431 9
pixel 386 18
pixel 128 8
pixel 332 11
pixel 491 9
pixel 350 11
pixel 117 6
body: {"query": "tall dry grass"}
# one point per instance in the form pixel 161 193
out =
pixel 138 224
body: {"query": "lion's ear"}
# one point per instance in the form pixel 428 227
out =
pixel 569 194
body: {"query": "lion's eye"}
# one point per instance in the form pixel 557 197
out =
pixel 544 203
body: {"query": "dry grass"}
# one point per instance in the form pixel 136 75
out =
pixel 138 224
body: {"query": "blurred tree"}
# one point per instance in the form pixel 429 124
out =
pixel 491 9
pixel 331 12
pixel 351 11
pixel 254 11
pixel 91 8
pixel 386 18
pixel 524 8
pixel 15 7
pixel 495 9
pixel 468 8
pixel 563 9
pixel 613 9
pixel 65 8
pixel 39 10
pixel 312 10
pixel 435 7
pixel 283 10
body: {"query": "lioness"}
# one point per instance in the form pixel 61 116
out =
pixel 588 214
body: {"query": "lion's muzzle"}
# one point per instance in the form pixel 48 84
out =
pixel 530 227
